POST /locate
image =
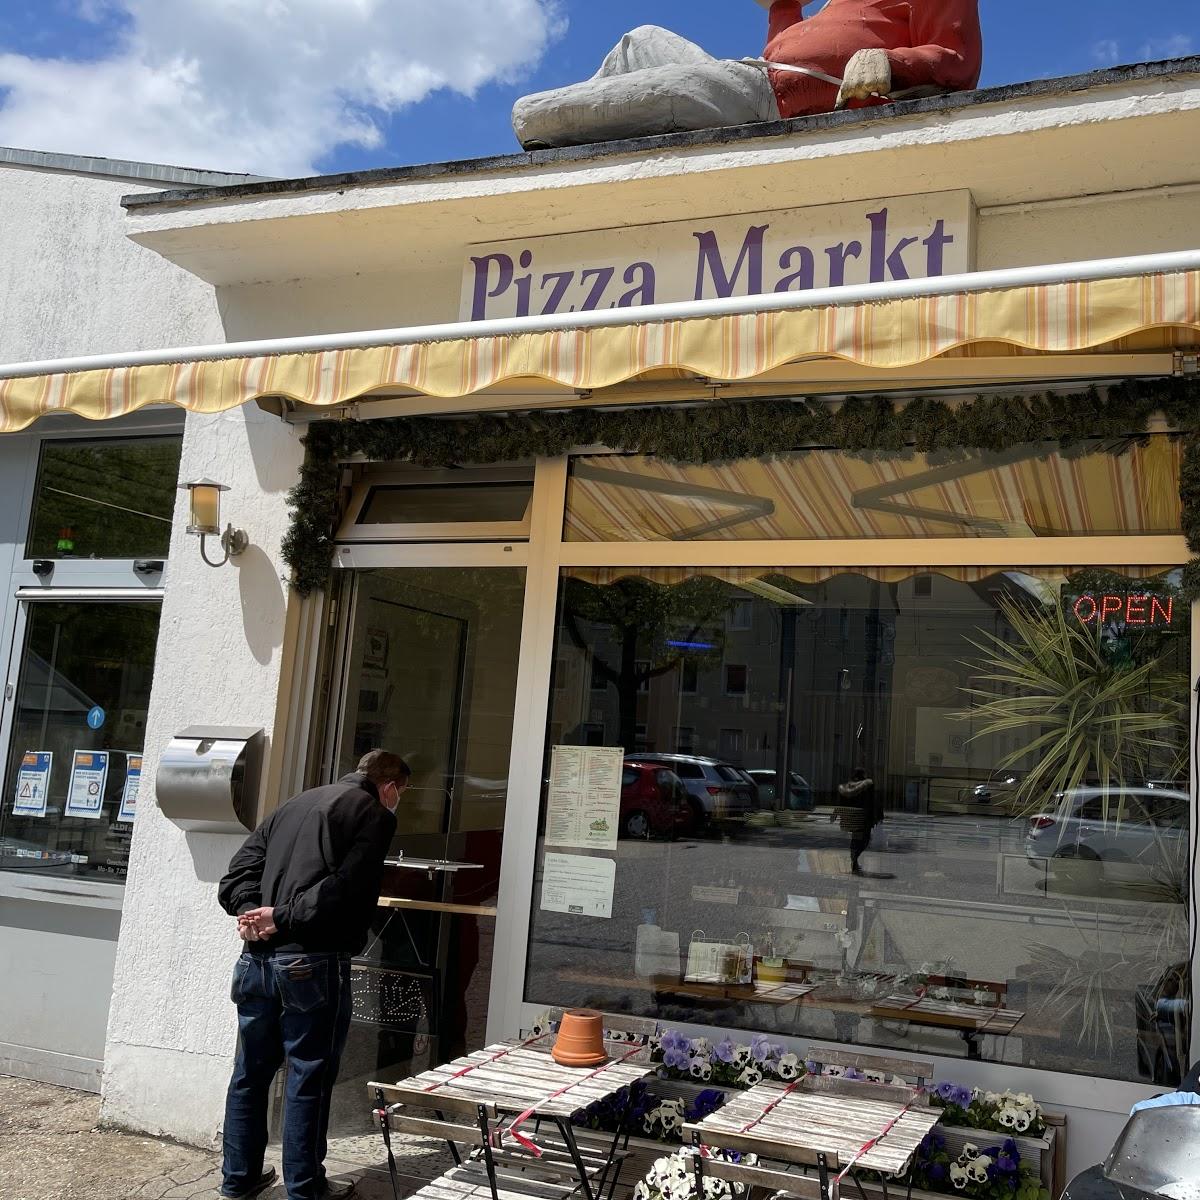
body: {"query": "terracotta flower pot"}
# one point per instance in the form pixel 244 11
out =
pixel 580 1041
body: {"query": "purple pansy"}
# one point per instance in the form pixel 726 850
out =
pixel 724 1051
pixel 937 1171
pixel 760 1049
pixel 854 1073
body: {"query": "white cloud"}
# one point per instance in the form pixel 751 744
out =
pixel 266 86
pixel 1177 45
pixel 1107 52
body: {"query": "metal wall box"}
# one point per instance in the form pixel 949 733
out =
pixel 208 777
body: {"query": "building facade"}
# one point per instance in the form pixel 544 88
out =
pixel 728 564
pixel 83 505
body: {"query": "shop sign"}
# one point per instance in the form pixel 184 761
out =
pixel 1126 608
pixel 790 250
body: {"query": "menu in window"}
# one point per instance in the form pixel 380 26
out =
pixel 89 774
pixel 129 794
pixel 583 804
pixel 578 884
pixel 33 783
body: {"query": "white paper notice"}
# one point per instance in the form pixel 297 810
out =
pixel 89 774
pixel 578 884
pixel 583 804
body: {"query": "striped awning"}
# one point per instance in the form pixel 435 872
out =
pixel 1129 488
pixel 1160 311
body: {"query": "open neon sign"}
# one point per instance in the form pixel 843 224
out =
pixel 1131 608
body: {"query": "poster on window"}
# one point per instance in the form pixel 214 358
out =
pixel 578 884
pixel 89 774
pixel 33 783
pixel 583 802
pixel 129 793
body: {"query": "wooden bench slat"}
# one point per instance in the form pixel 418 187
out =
pixel 765 1147
pixel 918 1068
pixel 402 1093
pixel 801 1186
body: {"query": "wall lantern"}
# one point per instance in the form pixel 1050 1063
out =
pixel 204 518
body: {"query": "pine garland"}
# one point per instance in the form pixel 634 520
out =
pixel 720 432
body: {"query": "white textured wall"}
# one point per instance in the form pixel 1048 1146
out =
pixel 71 282
pixel 172 1028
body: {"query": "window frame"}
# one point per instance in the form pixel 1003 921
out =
pixel 85 580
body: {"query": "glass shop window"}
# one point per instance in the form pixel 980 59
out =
pixel 73 774
pixel 109 498
pixel 982 846
pixel 1118 486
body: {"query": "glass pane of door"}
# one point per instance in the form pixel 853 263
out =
pixel 70 785
pixel 429 671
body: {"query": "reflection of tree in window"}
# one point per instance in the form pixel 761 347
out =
pixel 105 499
pixel 646 620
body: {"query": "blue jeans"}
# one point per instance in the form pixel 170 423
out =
pixel 293 1006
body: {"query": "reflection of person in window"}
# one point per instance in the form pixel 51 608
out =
pixel 856 813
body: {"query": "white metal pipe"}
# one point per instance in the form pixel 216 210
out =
pixel 975 281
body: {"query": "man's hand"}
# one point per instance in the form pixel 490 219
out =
pixel 868 73
pixel 257 924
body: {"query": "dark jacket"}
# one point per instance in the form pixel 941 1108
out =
pixel 318 861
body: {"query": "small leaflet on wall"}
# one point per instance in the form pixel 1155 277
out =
pixel 33 783
pixel 583 802
pixel 133 781
pixel 578 884
pixel 89 774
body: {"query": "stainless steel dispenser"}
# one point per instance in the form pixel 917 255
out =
pixel 208 777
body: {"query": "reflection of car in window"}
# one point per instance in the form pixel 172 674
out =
pixel 718 790
pixel 653 801
pixel 800 797
pixel 1142 828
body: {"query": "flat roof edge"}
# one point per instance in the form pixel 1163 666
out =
pixel 121 168
pixel 954 103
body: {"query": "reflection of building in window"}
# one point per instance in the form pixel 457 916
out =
pixel 641 739
pixel 737 679
pixel 593 735
pixel 642 669
pixel 689 676
pixel 685 739
pixel 560 674
pixel 731 743
pixel 741 614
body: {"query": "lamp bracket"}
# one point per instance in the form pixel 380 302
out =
pixel 233 542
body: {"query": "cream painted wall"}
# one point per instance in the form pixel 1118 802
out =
pixel 172 1029
pixel 71 282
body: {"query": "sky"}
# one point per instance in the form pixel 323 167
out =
pixel 300 87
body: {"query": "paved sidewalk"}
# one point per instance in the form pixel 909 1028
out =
pixel 52 1149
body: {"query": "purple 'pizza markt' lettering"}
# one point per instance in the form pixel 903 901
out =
pixel 483 277
pixel 881 260
pixel 710 263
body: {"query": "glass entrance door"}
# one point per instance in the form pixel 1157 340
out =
pixel 428 669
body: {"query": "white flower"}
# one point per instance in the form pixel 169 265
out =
pixel 1007 1117
pixel 540 1026
pixel 789 1066
pixel 875 1076
pixel 977 1169
pixel 750 1077
pixel 700 1069
pixel 741 1056
pixel 702 1046
pixel 641 1191
pixel 677 1168
pixel 1021 1120
pixel 834 1072
pixel 959 1176
pixel 969 1152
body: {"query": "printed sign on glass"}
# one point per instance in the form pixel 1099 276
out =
pixel 89 774
pixel 133 781
pixel 33 783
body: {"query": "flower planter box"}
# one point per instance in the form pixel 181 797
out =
pixel 1038 1154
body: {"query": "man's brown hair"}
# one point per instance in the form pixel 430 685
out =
pixel 382 766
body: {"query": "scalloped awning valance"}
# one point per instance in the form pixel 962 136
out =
pixel 1144 303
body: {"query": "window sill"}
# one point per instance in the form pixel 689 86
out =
pixel 81 893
